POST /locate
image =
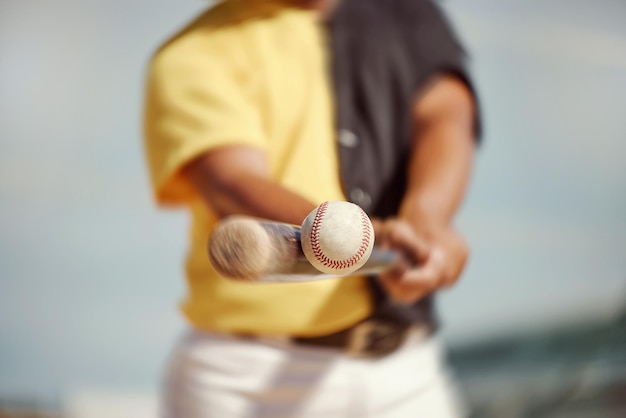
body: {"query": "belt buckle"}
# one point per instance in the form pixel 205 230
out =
pixel 375 339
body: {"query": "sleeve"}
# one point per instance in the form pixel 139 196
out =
pixel 194 102
pixel 434 47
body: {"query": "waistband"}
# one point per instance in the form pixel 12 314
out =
pixel 371 338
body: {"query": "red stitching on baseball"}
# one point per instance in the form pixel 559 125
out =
pixel 315 241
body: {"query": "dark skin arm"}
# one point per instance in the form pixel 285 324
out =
pixel 438 173
pixel 235 180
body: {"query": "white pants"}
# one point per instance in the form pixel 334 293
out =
pixel 218 376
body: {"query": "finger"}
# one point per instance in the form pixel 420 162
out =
pixel 405 294
pixel 430 273
pixel 408 286
pixel 401 235
pixel 417 282
pixel 394 275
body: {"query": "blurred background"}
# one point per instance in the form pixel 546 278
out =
pixel 91 271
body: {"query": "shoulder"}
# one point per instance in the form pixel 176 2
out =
pixel 226 32
pixel 218 33
pixel 196 39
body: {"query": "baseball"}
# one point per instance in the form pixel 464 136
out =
pixel 337 237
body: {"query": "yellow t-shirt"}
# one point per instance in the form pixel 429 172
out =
pixel 235 76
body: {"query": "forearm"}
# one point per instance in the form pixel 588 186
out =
pixel 438 176
pixel 236 181
pixel 259 197
pixel 441 157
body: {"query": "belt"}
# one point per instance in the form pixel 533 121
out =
pixel 371 338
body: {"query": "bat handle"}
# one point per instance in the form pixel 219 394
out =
pixel 379 261
pixel 302 270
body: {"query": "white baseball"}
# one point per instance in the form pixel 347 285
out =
pixel 337 237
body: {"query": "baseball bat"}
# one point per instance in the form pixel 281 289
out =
pixel 261 251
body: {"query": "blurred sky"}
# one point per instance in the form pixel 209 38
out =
pixel 90 271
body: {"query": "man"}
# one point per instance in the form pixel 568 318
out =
pixel 239 120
